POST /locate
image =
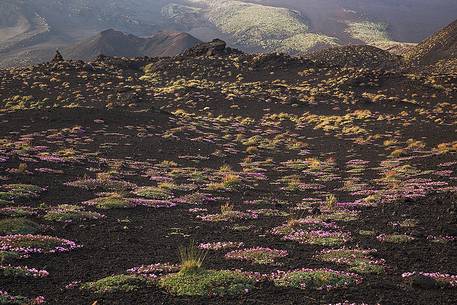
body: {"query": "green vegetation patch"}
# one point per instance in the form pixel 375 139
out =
pixel 152 192
pixel 68 213
pixel 18 226
pixel 7 299
pixel 116 283
pixel 359 260
pixel 395 238
pixel 199 282
pixel 316 279
pixel 20 191
pixel 110 202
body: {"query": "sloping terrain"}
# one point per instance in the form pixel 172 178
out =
pixel 30 31
pixel 249 26
pixel 322 180
pixel 115 43
pixel 357 56
pixel 440 46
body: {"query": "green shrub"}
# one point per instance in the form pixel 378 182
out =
pixel 116 283
pixel 207 282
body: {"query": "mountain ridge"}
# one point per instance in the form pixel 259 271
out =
pixel 111 42
pixel 440 46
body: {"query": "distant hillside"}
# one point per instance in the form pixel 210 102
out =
pixel 31 30
pixel 356 56
pixel 116 43
pixel 440 46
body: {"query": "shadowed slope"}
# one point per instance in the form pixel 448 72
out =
pixel 116 43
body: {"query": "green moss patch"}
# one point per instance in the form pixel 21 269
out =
pixel 116 283
pixel 21 191
pixel 18 226
pixel 207 282
pixel 69 213
pixel 7 299
pixel 395 238
pixel 29 244
pixel 359 260
pixel 110 202
pixel 316 279
pixel 152 192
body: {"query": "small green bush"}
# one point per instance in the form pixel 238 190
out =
pixel 207 282
pixel 116 283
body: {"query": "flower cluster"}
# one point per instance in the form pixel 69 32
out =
pixel 442 238
pixel 22 271
pixel 49 170
pixel 319 279
pixel 443 279
pixel 27 244
pixel 198 210
pixel 73 284
pixel 257 255
pixel 103 184
pixel 268 212
pixel 395 238
pixel 232 215
pixel 151 203
pixel 155 270
pixel 18 211
pixel 220 245
pixel 360 260
pixel 194 198
pixel 50 158
pixel 69 213
pixel 319 237
pixel 6 298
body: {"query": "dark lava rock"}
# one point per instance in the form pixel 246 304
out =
pixel 58 57
pixel 212 48
pixel 423 282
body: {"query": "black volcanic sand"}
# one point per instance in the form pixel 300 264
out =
pixel 139 129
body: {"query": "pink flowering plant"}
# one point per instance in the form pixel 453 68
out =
pixel 155 270
pixel 21 191
pixel 315 279
pixel 70 213
pixel 116 201
pixel 28 244
pixel 102 184
pixel 395 238
pixel 443 280
pixel 258 255
pixel 359 260
pixel 220 245
pixel 319 237
pixel 8 299
pixel 227 213
pixel 21 271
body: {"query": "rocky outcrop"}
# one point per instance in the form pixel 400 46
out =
pixel 212 48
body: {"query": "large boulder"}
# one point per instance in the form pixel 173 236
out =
pixel 212 48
